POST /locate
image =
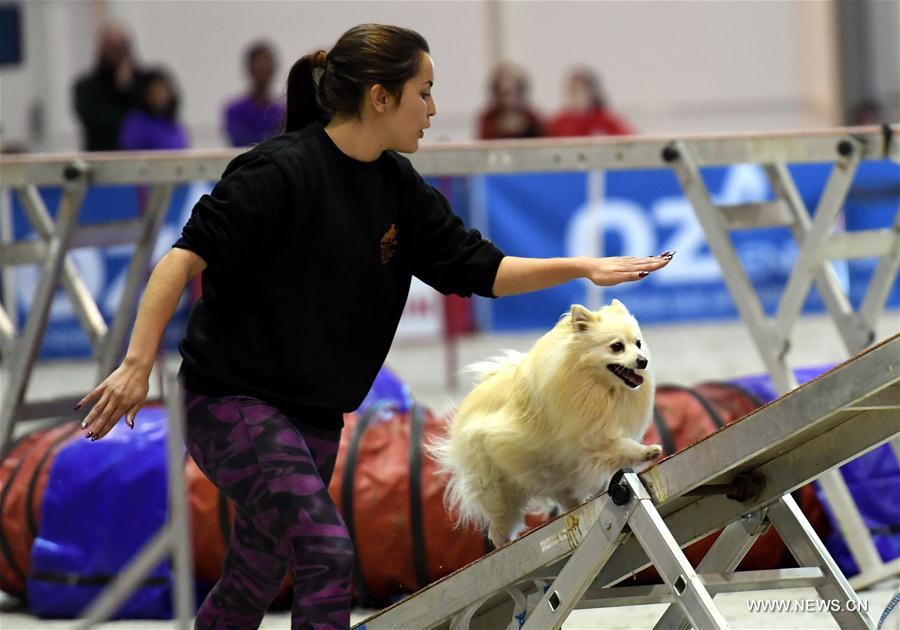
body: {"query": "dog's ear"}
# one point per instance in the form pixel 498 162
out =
pixel 618 306
pixel 582 318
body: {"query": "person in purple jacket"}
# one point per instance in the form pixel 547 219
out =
pixel 153 124
pixel 256 115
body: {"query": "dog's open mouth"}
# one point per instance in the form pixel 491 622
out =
pixel 628 376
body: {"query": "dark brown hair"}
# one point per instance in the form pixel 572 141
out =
pixel 322 84
pixel 146 81
pixel 256 49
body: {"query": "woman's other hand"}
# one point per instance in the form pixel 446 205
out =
pixel 123 392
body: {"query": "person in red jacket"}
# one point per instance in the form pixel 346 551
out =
pixel 585 112
pixel 508 114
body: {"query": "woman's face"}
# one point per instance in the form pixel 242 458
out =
pixel 406 121
pixel 159 96
pixel 261 69
pixel 580 96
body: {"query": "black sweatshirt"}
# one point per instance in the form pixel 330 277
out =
pixel 309 258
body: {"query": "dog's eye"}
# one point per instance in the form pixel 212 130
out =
pixel 638 343
pixel 617 347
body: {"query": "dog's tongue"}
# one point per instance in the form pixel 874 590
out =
pixel 634 377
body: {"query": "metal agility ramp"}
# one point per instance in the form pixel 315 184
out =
pixel 738 478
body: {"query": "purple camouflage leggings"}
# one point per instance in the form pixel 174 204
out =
pixel 277 476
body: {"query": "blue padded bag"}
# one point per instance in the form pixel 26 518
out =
pixel 388 386
pixel 104 501
pixel 873 481
pixel 761 385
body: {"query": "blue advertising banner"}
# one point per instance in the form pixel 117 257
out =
pixel 632 213
pixel 641 213
pixel 102 270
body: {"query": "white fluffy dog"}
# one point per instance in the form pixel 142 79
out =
pixel 554 423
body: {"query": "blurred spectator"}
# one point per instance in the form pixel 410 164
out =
pixel 153 124
pixel 104 95
pixel 585 110
pixel 508 114
pixel 255 116
pixel 867 112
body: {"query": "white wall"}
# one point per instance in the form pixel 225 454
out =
pixel 57 41
pixel 669 66
pixel 884 51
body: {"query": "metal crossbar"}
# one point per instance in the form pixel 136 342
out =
pixel 52 252
pixel 580 555
pixel 818 245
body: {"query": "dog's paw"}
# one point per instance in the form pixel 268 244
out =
pixel 498 537
pixel 652 451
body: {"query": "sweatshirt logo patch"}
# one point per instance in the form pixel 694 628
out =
pixel 388 244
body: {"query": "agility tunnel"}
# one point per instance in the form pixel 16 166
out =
pixel 74 514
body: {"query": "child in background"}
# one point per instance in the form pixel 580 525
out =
pixel 255 116
pixel 585 112
pixel 154 123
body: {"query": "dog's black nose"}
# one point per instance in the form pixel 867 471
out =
pixel 642 362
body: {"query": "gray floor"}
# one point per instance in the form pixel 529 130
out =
pixel 684 354
pixel 734 607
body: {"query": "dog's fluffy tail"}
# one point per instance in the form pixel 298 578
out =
pixel 483 370
pixel 459 492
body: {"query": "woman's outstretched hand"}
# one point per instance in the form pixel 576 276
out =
pixel 123 392
pixel 523 275
pixel 607 272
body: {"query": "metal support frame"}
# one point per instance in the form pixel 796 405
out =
pixel 51 250
pixel 723 557
pixel 576 560
pixel 650 530
pixel 154 214
pixel 52 268
pixel 173 538
pixel 817 246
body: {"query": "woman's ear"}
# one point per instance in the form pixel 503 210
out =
pixel 380 99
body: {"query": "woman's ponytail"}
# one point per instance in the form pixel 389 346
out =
pixel 303 105
pixel 321 85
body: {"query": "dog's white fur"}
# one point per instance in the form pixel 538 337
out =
pixel 554 423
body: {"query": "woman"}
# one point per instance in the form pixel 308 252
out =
pixel 585 112
pixel 257 114
pixel 508 114
pixel 307 246
pixel 154 125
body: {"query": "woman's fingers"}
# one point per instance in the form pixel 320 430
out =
pixel 651 263
pixel 656 262
pixel 96 413
pixel 612 271
pixel 109 421
pixel 129 416
pixel 111 416
pixel 122 393
pixel 103 417
pixel 92 395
